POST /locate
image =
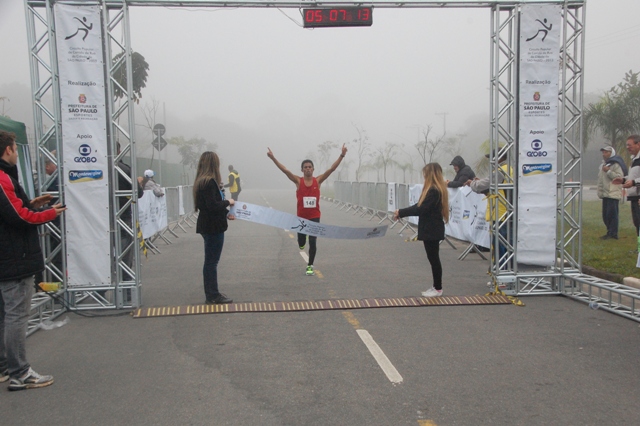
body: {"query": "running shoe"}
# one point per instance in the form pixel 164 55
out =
pixel 310 270
pixel 30 380
pixel 302 247
pixel 432 292
pixel 4 375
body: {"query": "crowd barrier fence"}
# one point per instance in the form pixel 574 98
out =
pixel 380 200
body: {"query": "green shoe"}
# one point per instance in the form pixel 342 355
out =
pixel 310 270
pixel 302 247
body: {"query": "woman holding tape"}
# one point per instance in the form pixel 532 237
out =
pixel 212 221
pixel 432 210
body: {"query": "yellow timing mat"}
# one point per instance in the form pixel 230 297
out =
pixel 320 305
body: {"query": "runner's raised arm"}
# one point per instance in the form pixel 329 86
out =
pixel 293 178
pixel 321 178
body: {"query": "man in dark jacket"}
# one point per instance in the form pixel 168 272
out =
pixel 463 173
pixel 20 259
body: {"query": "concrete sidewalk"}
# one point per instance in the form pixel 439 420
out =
pixel 554 361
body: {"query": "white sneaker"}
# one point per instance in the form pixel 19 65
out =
pixel 432 292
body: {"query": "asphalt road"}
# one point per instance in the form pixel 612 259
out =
pixel 554 361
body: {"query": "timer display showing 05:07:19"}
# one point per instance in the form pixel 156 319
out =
pixel 338 17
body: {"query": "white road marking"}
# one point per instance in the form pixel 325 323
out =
pixel 380 357
pixel 305 256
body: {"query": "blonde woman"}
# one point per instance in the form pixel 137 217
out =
pixel 212 221
pixel 433 212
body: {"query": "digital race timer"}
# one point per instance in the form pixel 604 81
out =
pixel 338 17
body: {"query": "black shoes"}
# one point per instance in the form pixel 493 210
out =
pixel 219 300
pixel 608 237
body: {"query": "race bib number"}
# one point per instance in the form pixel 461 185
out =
pixel 309 202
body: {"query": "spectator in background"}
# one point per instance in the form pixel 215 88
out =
pixel 463 173
pixel 632 180
pixel 150 185
pixel 125 184
pixel 234 183
pixel 482 186
pixel 50 168
pixel 612 167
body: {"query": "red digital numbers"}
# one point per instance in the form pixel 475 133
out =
pixel 337 17
pixel 313 15
pixel 364 14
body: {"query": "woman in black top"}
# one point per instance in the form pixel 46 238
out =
pixel 433 211
pixel 212 221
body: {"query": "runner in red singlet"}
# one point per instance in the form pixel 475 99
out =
pixel 308 195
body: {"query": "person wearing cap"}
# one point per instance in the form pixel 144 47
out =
pixel 631 181
pixel 463 173
pixel 151 185
pixel 612 167
pixel 482 186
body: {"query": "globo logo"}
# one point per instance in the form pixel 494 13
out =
pixel 536 146
pixel 85 150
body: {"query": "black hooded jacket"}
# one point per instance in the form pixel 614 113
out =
pixel 464 173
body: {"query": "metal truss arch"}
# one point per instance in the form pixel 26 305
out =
pixel 504 30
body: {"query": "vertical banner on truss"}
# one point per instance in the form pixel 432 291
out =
pixel 84 140
pixel 391 197
pixel 540 30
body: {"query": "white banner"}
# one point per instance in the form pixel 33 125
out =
pixel 271 217
pixel 181 200
pixel 540 31
pixel 467 217
pixel 391 197
pixel 414 196
pixel 152 214
pixel 84 138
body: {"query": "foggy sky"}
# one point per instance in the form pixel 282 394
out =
pixel 293 88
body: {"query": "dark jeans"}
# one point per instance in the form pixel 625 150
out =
pixel 212 250
pixel 234 196
pixel 302 239
pixel 635 215
pixel 610 216
pixel 432 247
pixel 15 306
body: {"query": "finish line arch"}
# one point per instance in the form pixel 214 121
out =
pixel 504 113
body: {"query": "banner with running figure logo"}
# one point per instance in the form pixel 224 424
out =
pixel 84 168
pixel 287 221
pixel 540 31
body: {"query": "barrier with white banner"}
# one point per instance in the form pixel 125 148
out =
pixel 466 215
pixel 152 214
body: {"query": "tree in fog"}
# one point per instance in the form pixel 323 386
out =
pixel 149 113
pixel 139 68
pixel 362 150
pixel 431 146
pixel 324 151
pixel 190 150
pixel 405 167
pixel 384 158
pixel 617 114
